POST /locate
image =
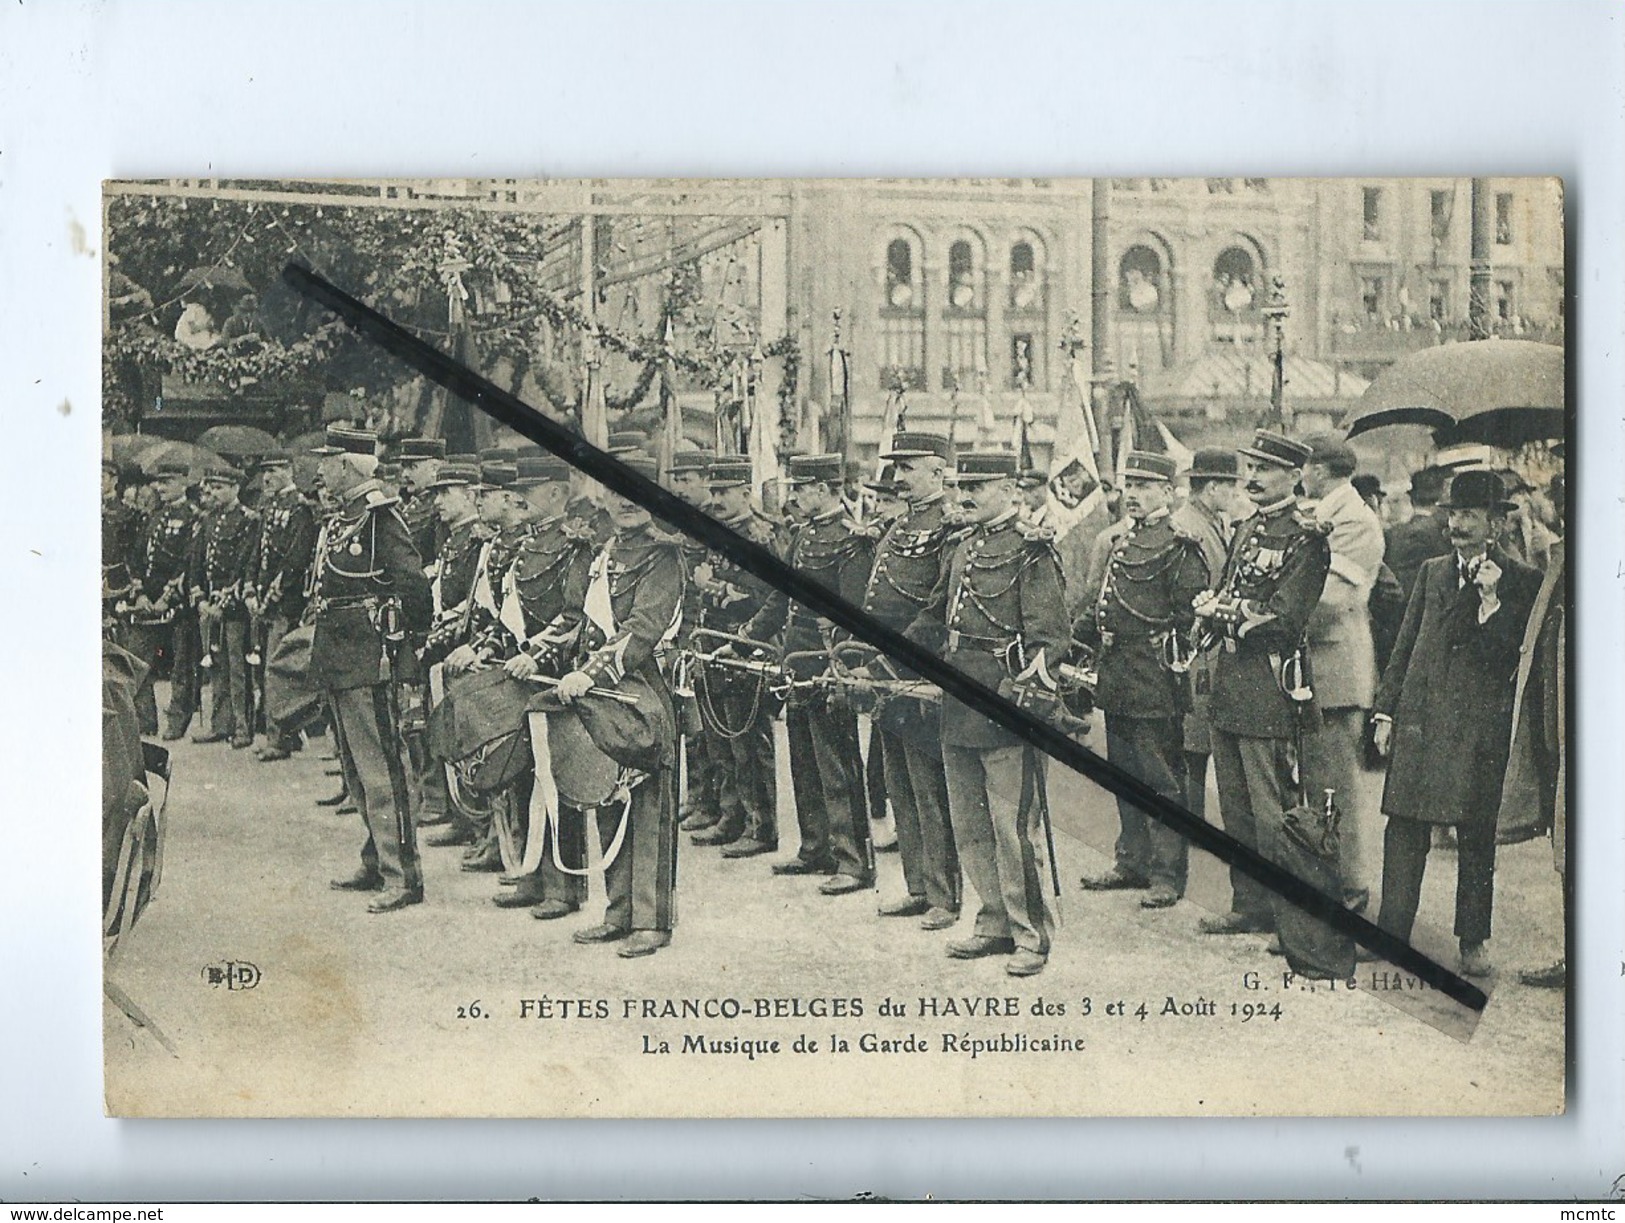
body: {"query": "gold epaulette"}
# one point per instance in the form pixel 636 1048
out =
pixel 1035 532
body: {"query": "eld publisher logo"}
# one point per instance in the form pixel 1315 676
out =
pixel 233 974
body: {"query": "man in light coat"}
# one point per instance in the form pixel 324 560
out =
pixel 1340 647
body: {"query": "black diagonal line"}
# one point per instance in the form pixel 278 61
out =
pixel 763 564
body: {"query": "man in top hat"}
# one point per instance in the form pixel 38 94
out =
pixel 826 764
pixel 370 599
pixel 1258 613
pixel 1340 643
pixel 541 598
pixel 737 707
pixel 1140 630
pixel 1443 713
pixel 1000 617
pixel 632 611
pixel 287 543
pixel 223 564
pixel 1422 536
pixel 911 562
pixel 420 459
pixel 162 619
pixel 453 493
pixel 1208 514
pixel 689 477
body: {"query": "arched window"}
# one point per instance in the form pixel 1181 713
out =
pixel 1236 295
pixel 1144 325
pixel 1026 319
pixel 901 286
pixel 1026 276
pixel 1141 288
pixel 901 312
pixel 1235 281
pixel 964 314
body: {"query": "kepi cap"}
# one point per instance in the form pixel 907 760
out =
pixel 412 449
pixel 730 472
pixel 909 444
pixel 815 468
pixel 1214 463
pixel 534 470
pixel 1276 448
pixel 1148 465
pixel 981 466
pixel 347 439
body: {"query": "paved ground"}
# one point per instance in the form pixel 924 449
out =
pixel 360 1014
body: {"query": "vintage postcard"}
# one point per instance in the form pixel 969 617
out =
pixel 440 780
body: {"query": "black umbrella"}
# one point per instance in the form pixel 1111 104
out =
pixel 1497 392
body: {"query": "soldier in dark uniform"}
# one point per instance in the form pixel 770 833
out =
pixel 1004 608
pixel 505 516
pixel 689 477
pixel 123 529
pixel 539 618
pixel 1258 612
pixel 1140 631
pixel 632 610
pixel 420 459
pixel 162 620
pixel 910 563
pixel 224 551
pixel 826 765
pixel 449 650
pixel 370 601
pixel 287 544
pixel 737 707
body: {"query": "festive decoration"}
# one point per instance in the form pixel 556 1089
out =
pixel 439 273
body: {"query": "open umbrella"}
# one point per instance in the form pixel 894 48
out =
pixel 238 441
pixel 194 456
pixel 1498 392
pixel 125 448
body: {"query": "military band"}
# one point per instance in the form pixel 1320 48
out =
pixel 826 764
pixel 1140 632
pixel 530 665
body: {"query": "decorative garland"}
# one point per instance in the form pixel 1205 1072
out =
pixel 431 254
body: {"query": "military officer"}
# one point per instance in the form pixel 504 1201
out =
pixel 506 515
pixel 453 493
pixel 632 611
pixel 420 459
pixel 1003 606
pixel 1258 613
pixel 1208 514
pixel 737 708
pixel 689 477
pixel 224 551
pixel 286 545
pixel 123 527
pixel 1140 631
pixel 826 765
pixel 162 620
pixel 370 599
pixel 542 595
pixel 910 562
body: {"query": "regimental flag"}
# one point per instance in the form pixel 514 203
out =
pixel 761 416
pixel 594 411
pixel 671 411
pixel 1139 429
pixel 1077 440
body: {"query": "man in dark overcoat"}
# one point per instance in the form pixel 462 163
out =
pixel 1444 713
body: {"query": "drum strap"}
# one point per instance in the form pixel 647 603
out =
pixel 546 814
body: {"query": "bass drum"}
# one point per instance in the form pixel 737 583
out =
pixel 583 775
